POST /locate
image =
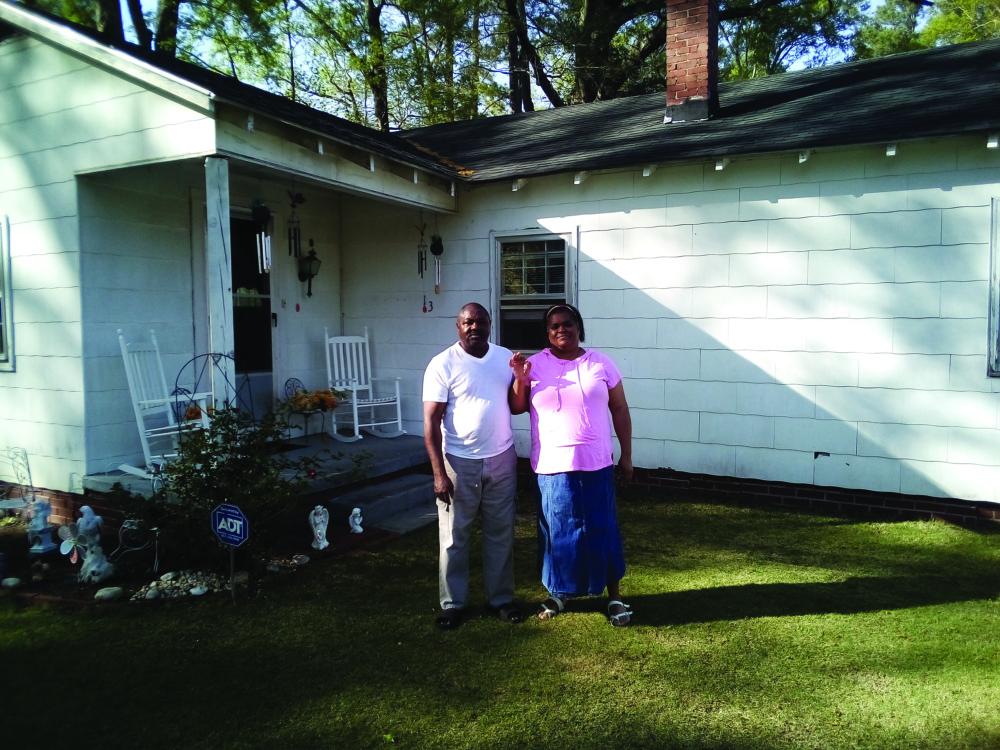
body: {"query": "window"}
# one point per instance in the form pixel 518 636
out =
pixel 534 274
pixel 6 324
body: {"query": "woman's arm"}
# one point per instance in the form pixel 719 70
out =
pixel 519 393
pixel 622 421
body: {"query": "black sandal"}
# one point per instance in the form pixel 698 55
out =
pixel 449 619
pixel 510 613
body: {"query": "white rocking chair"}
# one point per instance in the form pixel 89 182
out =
pixel 160 427
pixel 349 368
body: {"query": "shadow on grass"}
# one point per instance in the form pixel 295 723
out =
pixel 852 596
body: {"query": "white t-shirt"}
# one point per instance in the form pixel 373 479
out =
pixel 476 421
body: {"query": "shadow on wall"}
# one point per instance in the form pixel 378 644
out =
pixel 802 350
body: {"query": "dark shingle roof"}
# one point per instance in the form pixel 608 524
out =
pixel 915 95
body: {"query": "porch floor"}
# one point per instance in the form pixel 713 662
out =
pixel 384 457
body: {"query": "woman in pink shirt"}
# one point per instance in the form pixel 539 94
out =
pixel 575 395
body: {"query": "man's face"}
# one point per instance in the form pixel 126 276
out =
pixel 473 329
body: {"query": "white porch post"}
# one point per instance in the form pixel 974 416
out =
pixel 219 272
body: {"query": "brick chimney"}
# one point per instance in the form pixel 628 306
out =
pixel 692 60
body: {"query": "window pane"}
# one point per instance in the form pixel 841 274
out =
pixel 537 267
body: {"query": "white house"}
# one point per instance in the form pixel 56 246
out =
pixel 798 289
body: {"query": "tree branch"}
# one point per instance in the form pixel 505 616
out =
pixel 541 77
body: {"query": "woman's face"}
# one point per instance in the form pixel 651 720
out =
pixel 564 333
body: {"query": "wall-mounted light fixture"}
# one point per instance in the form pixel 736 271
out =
pixel 308 268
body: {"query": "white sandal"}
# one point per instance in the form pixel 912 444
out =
pixel 546 610
pixel 615 620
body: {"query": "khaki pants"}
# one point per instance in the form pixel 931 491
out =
pixel 481 485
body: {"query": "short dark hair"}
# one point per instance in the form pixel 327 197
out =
pixel 562 307
pixel 475 306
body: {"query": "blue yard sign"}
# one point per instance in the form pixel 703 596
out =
pixel 230 525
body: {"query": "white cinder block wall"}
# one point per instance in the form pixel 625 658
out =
pixel 764 315
pixel 63 118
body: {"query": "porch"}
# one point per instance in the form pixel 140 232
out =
pixel 395 492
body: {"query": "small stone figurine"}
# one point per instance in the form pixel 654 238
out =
pixel 39 532
pixel 355 521
pixel 319 518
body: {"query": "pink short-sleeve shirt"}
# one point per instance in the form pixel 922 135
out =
pixel 570 419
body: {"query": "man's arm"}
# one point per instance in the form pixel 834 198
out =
pixel 622 421
pixel 433 414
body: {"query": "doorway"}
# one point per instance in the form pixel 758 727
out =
pixel 253 322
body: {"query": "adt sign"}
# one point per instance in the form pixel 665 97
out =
pixel 230 525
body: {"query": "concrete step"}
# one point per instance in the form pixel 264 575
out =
pixel 381 501
pixel 414 517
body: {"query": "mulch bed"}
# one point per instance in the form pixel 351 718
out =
pixel 57 583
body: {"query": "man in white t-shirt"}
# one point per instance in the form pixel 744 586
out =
pixel 465 400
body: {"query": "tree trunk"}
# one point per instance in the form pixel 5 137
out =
pixel 139 24
pixel 513 75
pixel 109 19
pixel 166 27
pixel 378 80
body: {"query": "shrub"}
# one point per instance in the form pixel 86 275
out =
pixel 233 461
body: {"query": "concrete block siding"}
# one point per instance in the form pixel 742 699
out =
pixel 817 324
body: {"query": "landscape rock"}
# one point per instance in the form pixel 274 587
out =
pixel 10 583
pixel 108 594
pixel 153 594
pixel 168 576
pixel 199 590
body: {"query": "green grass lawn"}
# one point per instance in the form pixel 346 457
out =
pixel 753 628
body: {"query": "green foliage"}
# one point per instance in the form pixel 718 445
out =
pixel 233 461
pixel 807 32
pixel 953 21
pixel 411 63
pixel 891 29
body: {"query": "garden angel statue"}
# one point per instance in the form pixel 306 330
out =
pixel 319 518
pixel 40 511
pixel 355 521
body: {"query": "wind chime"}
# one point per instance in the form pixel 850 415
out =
pixel 261 216
pixel 421 248
pixel 294 230
pixel 437 247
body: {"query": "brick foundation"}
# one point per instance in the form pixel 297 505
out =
pixel 883 505
pixel 66 506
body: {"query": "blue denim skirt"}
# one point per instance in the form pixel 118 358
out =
pixel 579 544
